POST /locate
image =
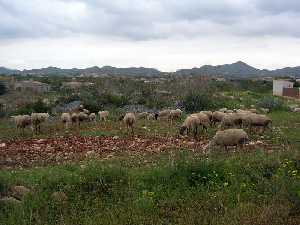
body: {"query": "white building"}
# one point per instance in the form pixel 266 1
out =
pixel 278 86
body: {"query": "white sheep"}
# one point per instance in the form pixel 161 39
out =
pixel 37 119
pixel 66 119
pixel 164 114
pixel 175 114
pixel 230 137
pixel 142 115
pixel 129 120
pixel 22 121
pixel 92 117
pixel 82 117
pixel 103 115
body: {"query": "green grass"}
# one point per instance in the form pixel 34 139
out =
pixel 242 188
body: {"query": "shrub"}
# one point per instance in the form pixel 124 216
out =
pixel 38 107
pixel 197 101
pixel 271 103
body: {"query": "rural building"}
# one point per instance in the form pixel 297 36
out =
pixel 279 85
pixel 30 85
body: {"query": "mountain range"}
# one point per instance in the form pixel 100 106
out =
pixel 237 69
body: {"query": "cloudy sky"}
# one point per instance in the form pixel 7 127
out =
pixel 164 34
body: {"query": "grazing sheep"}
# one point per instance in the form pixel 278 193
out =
pixel 103 115
pixel 22 121
pixel 253 110
pixel 208 113
pixel 190 124
pixel 203 120
pixel 224 110
pixel 37 119
pixel 164 114
pixel 66 119
pixel 86 111
pixel 74 118
pixel 174 114
pixel 296 110
pixel 230 137
pixel 231 120
pixel 151 116
pixel 229 111
pixel 92 117
pixel 129 120
pixel 142 115
pixel 82 117
pixel 257 120
pixel 217 116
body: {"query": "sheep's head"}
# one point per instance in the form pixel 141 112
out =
pixel 156 116
pixel 121 117
pixel 182 129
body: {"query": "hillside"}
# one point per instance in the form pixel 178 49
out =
pixel 237 69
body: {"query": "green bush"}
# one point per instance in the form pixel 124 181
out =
pixel 197 101
pixel 37 107
pixel 271 103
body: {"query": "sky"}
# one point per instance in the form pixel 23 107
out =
pixel 163 34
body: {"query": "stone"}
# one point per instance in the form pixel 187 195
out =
pixel 59 196
pixel 19 192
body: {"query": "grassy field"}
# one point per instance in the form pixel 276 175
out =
pixel 240 188
pixel 255 185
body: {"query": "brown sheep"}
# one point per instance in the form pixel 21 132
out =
pixel 230 137
pixel 190 124
pixel 217 117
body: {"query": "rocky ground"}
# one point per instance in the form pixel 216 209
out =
pixel 39 152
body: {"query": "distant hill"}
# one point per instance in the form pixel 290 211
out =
pixel 106 70
pixel 237 69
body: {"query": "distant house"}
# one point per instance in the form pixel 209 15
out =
pixel 278 86
pixel 285 88
pixel 30 85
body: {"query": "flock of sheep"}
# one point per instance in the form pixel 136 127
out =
pixel 230 123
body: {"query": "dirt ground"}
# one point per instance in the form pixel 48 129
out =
pixel 39 152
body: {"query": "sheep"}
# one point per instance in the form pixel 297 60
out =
pixel 257 120
pixel 86 111
pixel 224 110
pixel 66 119
pixel 142 115
pixel 217 116
pixel 129 120
pixel 22 121
pixel 230 137
pixel 174 114
pixel 231 120
pixel 74 118
pixel 203 120
pixel 190 124
pixel 92 117
pixel 208 113
pixel 82 117
pixel 37 119
pixel 164 114
pixel 266 110
pixel 103 115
